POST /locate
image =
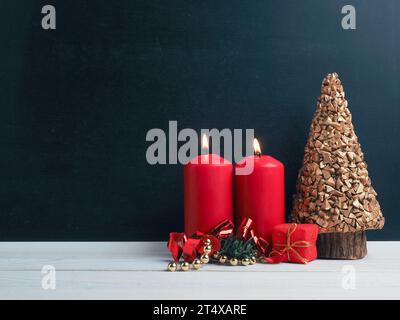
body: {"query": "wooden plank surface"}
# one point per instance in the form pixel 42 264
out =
pixel 135 270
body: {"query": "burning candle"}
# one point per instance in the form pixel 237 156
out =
pixel 260 195
pixel 207 191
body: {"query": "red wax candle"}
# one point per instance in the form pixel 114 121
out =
pixel 207 192
pixel 261 195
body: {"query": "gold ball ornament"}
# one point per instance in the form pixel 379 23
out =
pixel 233 262
pixel 222 259
pixel 204 258
pixel 207 242
pixel 207 249
pixel 172 266
pixel 253 260
pixel 245 261
pixel 185 266
pixel 215 256
pixel 196 264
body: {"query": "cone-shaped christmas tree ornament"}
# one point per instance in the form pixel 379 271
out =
pixel 334 190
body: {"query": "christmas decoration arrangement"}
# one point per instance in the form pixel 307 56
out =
pixel 291 242
pixel 334 189
pixel 334 204
pixel 220 244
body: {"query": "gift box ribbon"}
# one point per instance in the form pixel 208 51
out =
pixel 288 248
pixel 189 247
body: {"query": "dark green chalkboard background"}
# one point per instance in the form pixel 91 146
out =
pixel 76 103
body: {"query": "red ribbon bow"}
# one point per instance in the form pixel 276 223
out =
pixel 180 245
pixel 246 232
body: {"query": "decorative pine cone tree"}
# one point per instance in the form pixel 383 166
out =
pixel 334 190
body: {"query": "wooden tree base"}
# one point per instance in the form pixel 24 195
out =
pixel 340 245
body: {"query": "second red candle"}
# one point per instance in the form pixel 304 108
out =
pixel 260 195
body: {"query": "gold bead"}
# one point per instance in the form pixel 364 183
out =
pixel 215 256
pixel 172 266
pixel 196 264
pixel 185 266
pixel 204 258
pixel 207 242
pixel 233 262
pixel 222 259
pixel 207 249
pixel 253 260
pixel 245 261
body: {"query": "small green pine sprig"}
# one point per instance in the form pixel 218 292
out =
pixel 234 248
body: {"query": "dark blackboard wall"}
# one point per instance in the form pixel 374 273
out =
pixel 76 103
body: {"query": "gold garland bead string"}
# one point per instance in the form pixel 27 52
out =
pixel 222 259
pixel 205 258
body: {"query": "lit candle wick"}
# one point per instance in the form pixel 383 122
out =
pixel 204 142
pixel 257 148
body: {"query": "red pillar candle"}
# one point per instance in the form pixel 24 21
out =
pixel 208 192
pixel 260 195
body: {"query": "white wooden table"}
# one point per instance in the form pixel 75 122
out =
pixel 135 270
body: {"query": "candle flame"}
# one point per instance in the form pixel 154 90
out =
pixel 204 142
pixel 257 148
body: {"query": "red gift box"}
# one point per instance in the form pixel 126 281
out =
pixel 293 242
